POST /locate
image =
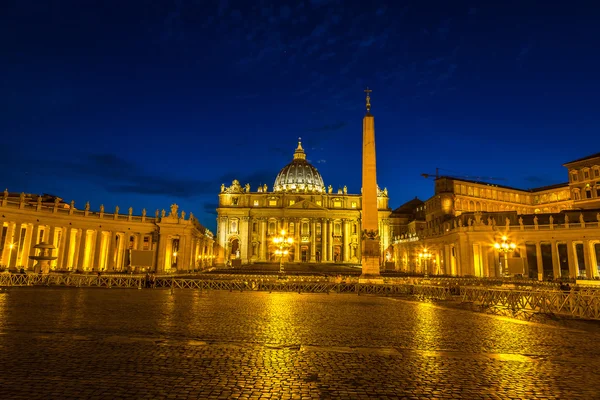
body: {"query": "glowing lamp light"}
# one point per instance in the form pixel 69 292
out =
pixel 10 246
pixel 174 254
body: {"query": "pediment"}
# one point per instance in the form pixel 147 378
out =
pixel 305 205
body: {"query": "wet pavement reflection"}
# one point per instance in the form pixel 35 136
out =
pixel 108 343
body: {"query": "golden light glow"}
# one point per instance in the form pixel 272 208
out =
pixel 174 254
pixel 10 246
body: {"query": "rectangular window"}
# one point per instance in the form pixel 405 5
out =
pixel 596 172
pixel 337 203
pixel 586 174
pixel 318 202
pixel 146 243
pixel 574 177
pixel 292 202
pixel 353 204
pixel 255 203
pixel 272 203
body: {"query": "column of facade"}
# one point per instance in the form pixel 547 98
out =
pixel 161 253
pixel 51 240
pixel 81 252
pixel 324 243
pixel 97 251
pixel 110 255
pixel 262 247
pixel 345 244
pixel 590 271
pixel 313 240
pixel 298 240
pixel 539 260
pixel 330 241
pixel 244 239
pixel 7 251
pixel 485 260
pixel 555 260
pixel 573 268
pixel 65 247
pixel 32 243
pixel 222 230
pixel 15 249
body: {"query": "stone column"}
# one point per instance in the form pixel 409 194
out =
pixel 555 261
pixel 244 239
pixel 485 261
pixel 298 240
pixel 15 250
pixel 345 246
pixel 64 257
pixel 222 257
pixel 97 252
pixel 32 242
pixel 81 255
pixel 6 253
pixel 313 240
pixel 330 241
pixel 590 271
pixel 573 268
pixel 161 253
pixel 539 261
pixel 110 257
pixel 324 243
pixel 262 255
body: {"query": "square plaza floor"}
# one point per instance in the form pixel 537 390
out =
pixel 149 344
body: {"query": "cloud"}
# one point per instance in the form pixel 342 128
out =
pixel 329 127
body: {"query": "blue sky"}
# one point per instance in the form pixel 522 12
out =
pixel 144 104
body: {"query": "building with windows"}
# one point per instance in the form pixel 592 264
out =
pixel 555 230
pixel 325 224
pixel 87 240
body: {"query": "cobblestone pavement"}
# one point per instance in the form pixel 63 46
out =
pixel 150 344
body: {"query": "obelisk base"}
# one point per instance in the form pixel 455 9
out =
pixel 370 262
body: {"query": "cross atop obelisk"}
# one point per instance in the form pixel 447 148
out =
pixel 369 214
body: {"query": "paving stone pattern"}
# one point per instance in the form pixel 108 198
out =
pixel 153 344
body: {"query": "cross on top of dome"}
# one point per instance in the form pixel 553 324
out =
pixel 299 154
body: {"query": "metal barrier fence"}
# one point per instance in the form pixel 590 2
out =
pixel 581 303
pixel 575 303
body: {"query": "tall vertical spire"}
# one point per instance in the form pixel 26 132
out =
pixel 371 252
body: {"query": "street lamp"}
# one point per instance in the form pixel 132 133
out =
pixel 283 244
pixel 505 247
pixel 425 255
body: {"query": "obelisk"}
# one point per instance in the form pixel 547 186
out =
pixel 370 221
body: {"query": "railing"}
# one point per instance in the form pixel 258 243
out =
pixel 575 303
pixel 581 303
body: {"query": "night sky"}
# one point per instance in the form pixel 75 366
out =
pixel 149 103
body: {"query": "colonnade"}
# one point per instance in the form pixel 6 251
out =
pixel 316 239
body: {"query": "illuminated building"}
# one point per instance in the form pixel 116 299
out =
pixel 88 240
pixel 325 224
pixel 555 229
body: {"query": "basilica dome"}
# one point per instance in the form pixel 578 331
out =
pixel 299 176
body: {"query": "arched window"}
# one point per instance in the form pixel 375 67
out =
pixel 337 228
pixel 305 229
pixel 588 192
pixel 597 190
pixel 471 206
pixel 292 228
pixel 576 194
pixel 271 227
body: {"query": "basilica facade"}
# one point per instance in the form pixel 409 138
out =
pixel 465 227
pixel 325 224
pixel 98 241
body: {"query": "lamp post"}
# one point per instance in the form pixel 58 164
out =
pixel 424 256
pixel 505 247
pixel 283 244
